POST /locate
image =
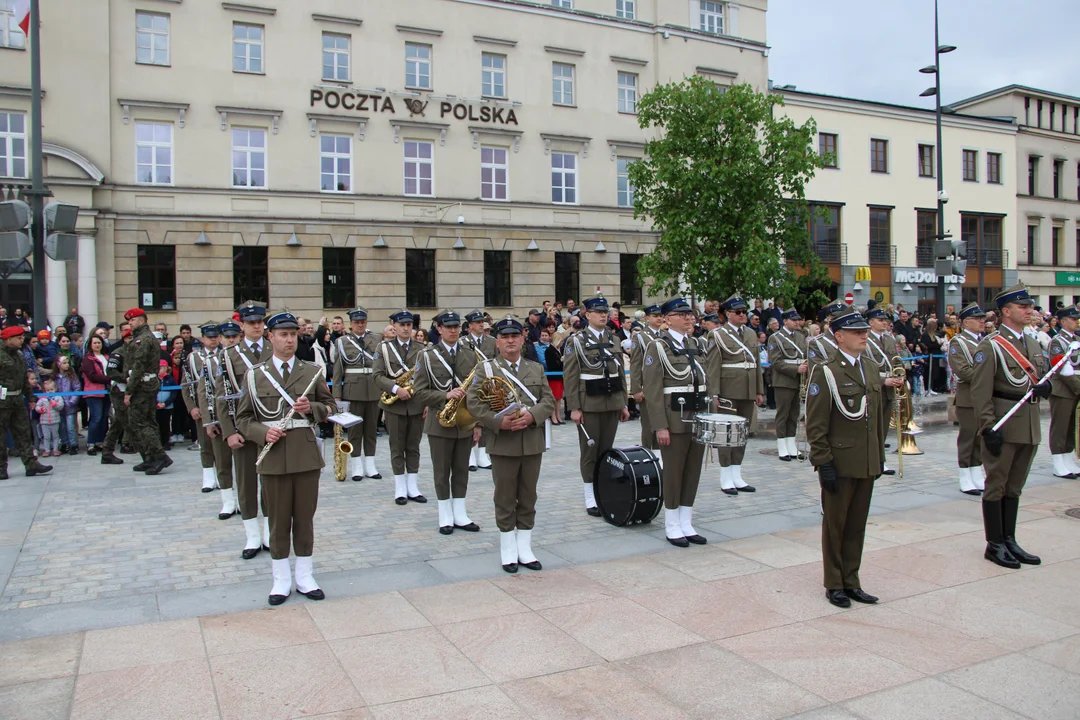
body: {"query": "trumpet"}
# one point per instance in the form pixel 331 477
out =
pixel 342 450
pixel 404 380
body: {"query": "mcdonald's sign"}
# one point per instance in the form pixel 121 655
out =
pixel 862 274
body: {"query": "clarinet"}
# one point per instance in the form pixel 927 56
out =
pixel 226 386
pixel 208 383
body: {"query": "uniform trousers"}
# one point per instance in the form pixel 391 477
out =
pixel 968 443
pixel 247 481
pixel 515 490
pixel 291 501
pixel 362 435
pixel 142 425
pixel 787 411
pixel 734 456
pixel 648 437
pixel 1062 425
pixel 1007 473
pixel 601 427
pixel 119 423
pixel 405 433
pixel 450 465
pixel 843 530
pixel 15 420
pixel 682 470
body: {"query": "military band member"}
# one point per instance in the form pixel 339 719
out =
pixel 881 348
pixel 404 417
pixel 231 333
pixel 847 446
pixel 822 348
pixel 140 397
pixel 290 470
pixel 654 322
pixel 482 342
pixel 675 384
pixel 1066 394
pixel 1007 364
pixel 17 393
pixel 204 367
pixel 439 379
pixel 787 356
pixel 516 440
pixel 252 350
pixel 594 390
pixel 962 349
pixel 733 365
pixel 354 387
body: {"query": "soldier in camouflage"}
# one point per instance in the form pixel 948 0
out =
pixel 143 358
pixel 115 372
pixel 14 393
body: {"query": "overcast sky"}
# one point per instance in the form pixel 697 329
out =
pixel 873 49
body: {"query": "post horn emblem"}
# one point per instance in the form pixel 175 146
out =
pixel 415 106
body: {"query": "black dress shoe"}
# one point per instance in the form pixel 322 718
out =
pixel 593 511
pixel 998 554
pixel 205 489
pixel 226 516
pixel 534 565
pixel 266 548
pixel 357 478
pixel 277 599
pixel 249 553
pixel 729 491
pixel 417 498
pixel 400 500
pixel 858 595
pixel 1020 554
pixel 376 476
pixel 472 468
pixel 973 491
pixel 446 530
pixel 887 471
pixel 679 542
pixel 696 539
pixel 471 527
pixel 746 488
pixel 838 598
pixel 510 567
pixel 785 458
pixel 316 594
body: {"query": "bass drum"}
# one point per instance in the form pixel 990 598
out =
pixel 628 486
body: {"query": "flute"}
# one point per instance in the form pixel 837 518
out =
pixel 285 420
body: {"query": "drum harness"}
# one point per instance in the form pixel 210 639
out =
pixel 687 374
pixel 597 384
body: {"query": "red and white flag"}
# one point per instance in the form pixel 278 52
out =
pixel 22 15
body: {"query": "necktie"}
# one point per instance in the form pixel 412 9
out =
pixel 452 355
pixel 285 372
pixel 256 349
pixel 858 366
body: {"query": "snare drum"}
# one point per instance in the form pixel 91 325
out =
pixel 628 486
pixel 720 430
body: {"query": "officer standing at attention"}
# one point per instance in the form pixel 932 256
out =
pixel 1065 396
pixel 516 440
pixel 881 348
pixel 733 365
pixel 443 368
pixel 204 371
pixel 13 398
pixel 639 344
pixel 822 348
pixel 354 387
pixel 595 393
pixel 116 372
pixel 962 349
pixel 1008 363
pixel 404 416
pixel 142 389
pixel 847 446
pixel 481 342
pixel 291 468
pixel 787 356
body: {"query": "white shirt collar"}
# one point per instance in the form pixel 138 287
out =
pixel 450 348
pixel 476 338
pixel 853 361
pixel 678 336
pixel 974 336
pixel 598 334
pixel 252 343
pixel 278 363
pixel 1006 329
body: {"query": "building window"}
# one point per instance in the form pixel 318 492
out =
pixel 157 277
pixel 419 167
pixel 1059 167
pixel 417 66
pixel 629 280
pixel 627 93
pixel 926 161
pixel 494 171
pixel 880 236
pixel 567 276
pixel 247 48
pixel 335 163
pixel 251 276
pixel 1057 245
pixel 248 158
pixel 827 144
pixel 625 190
pixel 971 164
pixel 151 38
pixel 983 237
pixel 339 277
pixel 825 232
pixel 493 75
pixel 564 178
pixel 497 278
pixel 711 17
pixel 625 9
pixel 993 168
pixel 1033 174
pixel 879 156
pixel 420 278
pixel 1033 245
pixel 335 56
pixel 153 153
pixel 11 35
pixel 925 230
pixel 562 84
pixel 568 4
pixel 12 145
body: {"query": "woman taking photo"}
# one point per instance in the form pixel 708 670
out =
pixel 93 372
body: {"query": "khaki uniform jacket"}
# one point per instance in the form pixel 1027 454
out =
pixel 882 350
pixel 961 351
pixel 238 360
pixel 989 378
pixel 354 361
pixel 655 377
pixel 196 363
pixel 433 381
pixel 638 348
pixel 821 348
pixel 856 448
pixel 585 344
pixel 485 346
pixel 531 440
pixel 388 369
pixel 1066 387
pixel 787 351
pixel 297 451
pixel 734 383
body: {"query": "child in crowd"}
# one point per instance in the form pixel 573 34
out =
pixel 67 381
pixel 165 404
pixel 35 425
pixel 48 410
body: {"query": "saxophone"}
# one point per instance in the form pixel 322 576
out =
pixel 342 450
pixel 454 412
pixel 404 380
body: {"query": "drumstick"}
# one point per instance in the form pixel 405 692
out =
pixel 588 440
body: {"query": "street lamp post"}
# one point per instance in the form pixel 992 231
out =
pixel 38 192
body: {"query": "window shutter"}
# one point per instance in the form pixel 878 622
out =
pixel 695 14
pixel 732 20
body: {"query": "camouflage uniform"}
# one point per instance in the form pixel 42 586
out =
pixel 114 370
pixel 143 360
pixel 13 415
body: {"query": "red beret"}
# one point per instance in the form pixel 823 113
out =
pixel 127 331
pixel 10 332
pixel 134 313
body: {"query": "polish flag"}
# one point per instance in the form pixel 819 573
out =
pixel 22 15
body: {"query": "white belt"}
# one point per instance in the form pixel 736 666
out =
pixel 357 371
pixel 294 424
pixel 595 377
pixel 790 362
pixel 122 387
pixel 884 374
pixel 740 366
pixel 682 389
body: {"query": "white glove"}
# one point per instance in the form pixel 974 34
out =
pixel 343 405
pixel 1067 370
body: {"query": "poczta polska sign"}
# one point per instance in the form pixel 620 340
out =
pixel 362 102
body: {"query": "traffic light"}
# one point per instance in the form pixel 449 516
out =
pixel 15 241
pixel 950 256
pixel 60 221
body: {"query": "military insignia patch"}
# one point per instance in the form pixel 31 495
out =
pixel 648 359
pixel 376 354
pixel 567 349
pixel 813 389
pixel 952 350
pixel 979 357
pixel 812 354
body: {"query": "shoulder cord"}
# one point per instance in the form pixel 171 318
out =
pixel 830 380
pixel 389 345
pixel 962 342
pixel 1017 382
pixel 263 409
pixel 783 350
pixel 585 362
pixel 344 355
pixel 444 386
pixel 721 344
pixel 680 375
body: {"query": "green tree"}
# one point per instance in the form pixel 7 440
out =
pixel 724 185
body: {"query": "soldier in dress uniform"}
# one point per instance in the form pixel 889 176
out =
pixel 479 340
pixel 516 440
pixel 230 335
pixel 204 371
pixel 594 390
pixel 140 397
pixel 117 375
pixel 654 322
pixel 15 393
pixel 1007 364
pixel 733 364
pixel 290 470
pixel 822 348
pixel 354 387
pixel 404 417
pixel 787 356
pixel 962 349
pixel 239 360
pixel 847 446
pixel 881 348
pixel 1065 397
pixel 442 371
